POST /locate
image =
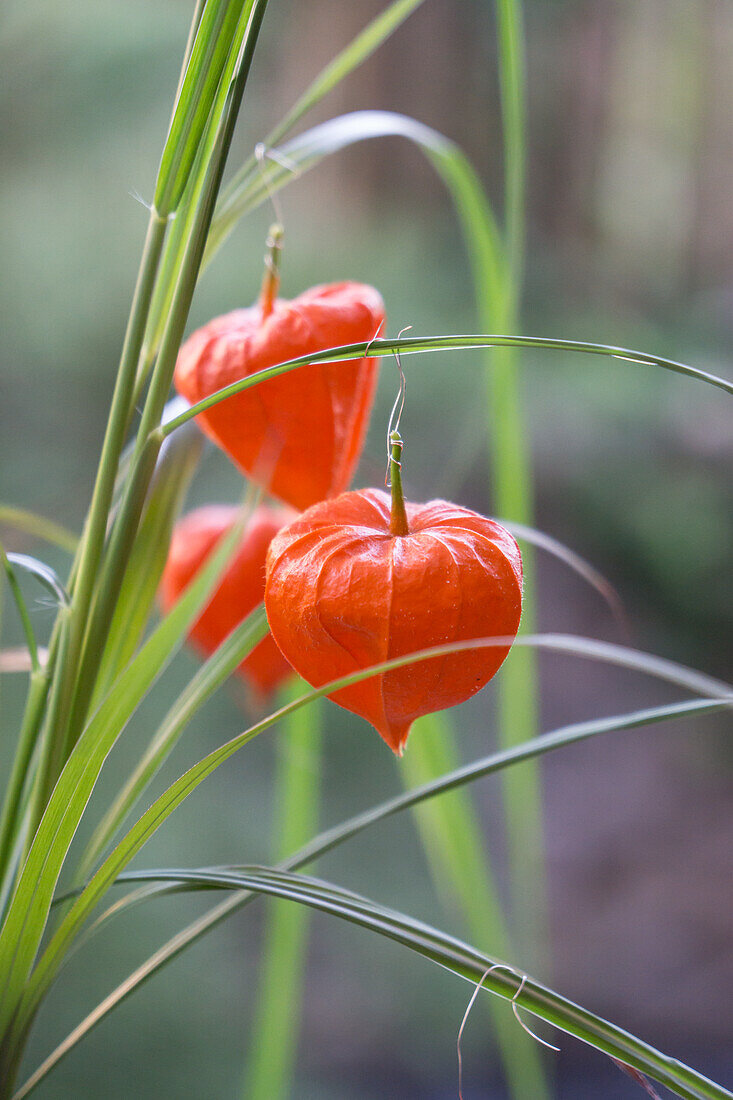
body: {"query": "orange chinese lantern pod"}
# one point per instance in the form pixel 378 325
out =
pixel 240 590
pixel 300 435
pixel 358 580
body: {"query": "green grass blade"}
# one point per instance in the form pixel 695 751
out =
pixel 307 150
pixel 579 565
pixel 214 149
pixel 508 982
pixel 417 345
pixel 19 781
pixel 209 677
pixel 336 71
pixel 510 471
pixel 43 573
pixel 273 1043
pixel 342 65
pixel 23 928
pixel 8 560
pixel 176 467
pixel 39 527
pixel 461 869
pixel 167 802
pixel 337 835
pixel 512 85
pixel 196 98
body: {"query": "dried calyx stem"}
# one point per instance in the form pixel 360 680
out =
pixel 271 281
pixel 398 524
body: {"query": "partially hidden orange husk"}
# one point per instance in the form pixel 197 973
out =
pixel 343 593
pixel 240 590
pixel 299 435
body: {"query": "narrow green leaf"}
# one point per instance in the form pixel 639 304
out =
pixel 344 63
pixel 523 533
pixel 39 527
pixel 308 149
pixel 167 802
pixel 510 473
pixel 210 167
pixel 44 574
pixel 415 345
pixel 338 834
pixel 23 928
pixel 212 44
pixel 30 636
pixel 506 981
pixel 20 779
pixel 175 469
pixel 209 677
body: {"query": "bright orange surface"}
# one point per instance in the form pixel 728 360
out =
pixel 241 588
pixel 344 593
pixel 300 435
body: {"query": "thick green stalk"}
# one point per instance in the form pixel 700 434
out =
pixel 63 673
pixel 511 475
pixel 365 43
pixel 274 1040
pixel 215 149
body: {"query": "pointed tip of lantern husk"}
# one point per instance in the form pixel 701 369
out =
pixel 395 736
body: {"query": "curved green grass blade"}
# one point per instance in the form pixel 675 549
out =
pixel 26 919
pixel 592 576
pixel 307 150
pixel 176 466
pixel 8 560
pixel 209 677
pixel 338 834
pixel 273 1043
pixel 44 574
pixel 460 958
pixel 167 802
pixel 342 65
pixel 416 345
pixel 39 527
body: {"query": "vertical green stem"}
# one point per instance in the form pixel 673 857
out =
pixel 213 158
pixel 63 673
pixel 274 1038
pixel 460 865
pixel 512 482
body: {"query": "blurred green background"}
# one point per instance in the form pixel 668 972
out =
pixel 630 220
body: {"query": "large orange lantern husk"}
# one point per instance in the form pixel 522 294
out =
pixel 299 435
pixel 343 593
pixel 241 587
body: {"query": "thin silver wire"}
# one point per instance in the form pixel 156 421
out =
pixel 394 424
pixel 515 1010
pixel 262 153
